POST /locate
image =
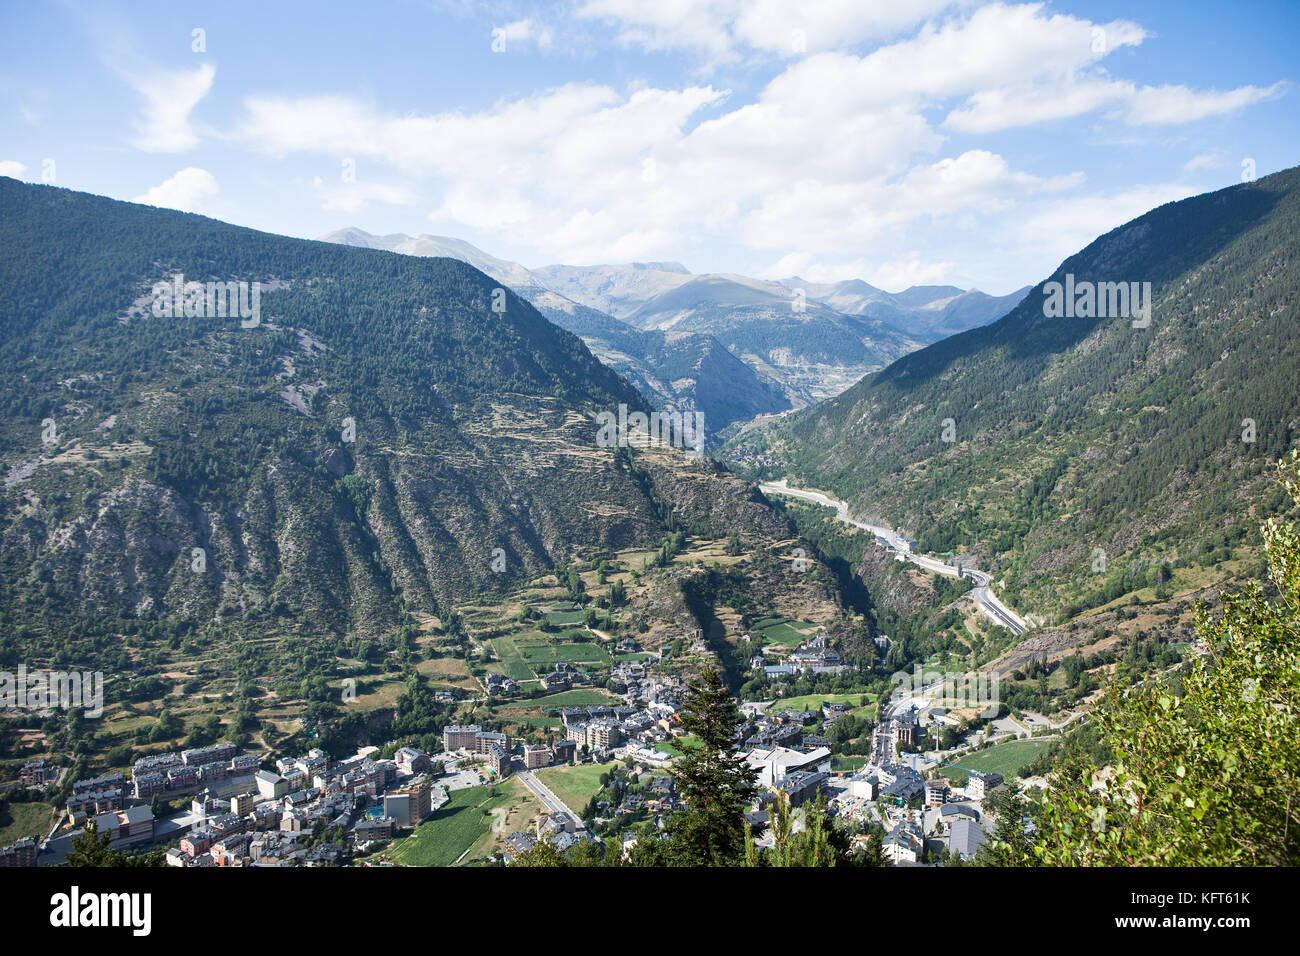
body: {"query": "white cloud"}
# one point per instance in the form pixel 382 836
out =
pixel 519 32
pixel 725 30
pixel 991 110
pixel 822 217
pixel 902 273
pixel 1057 229
pixel 892 274
pixel 699 25
pixel 1211 160
pixel 827 24
pixel 13 168
pixel 183 191
pixel 357 195
pixel 838 151
pixel 1166 105
pixel 988 111
pixel 170 96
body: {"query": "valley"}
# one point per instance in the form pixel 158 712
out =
pixel 375 529
pixel 889 540
pixel 735 347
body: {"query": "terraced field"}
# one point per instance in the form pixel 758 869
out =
pixel 551 654
pixel 566 615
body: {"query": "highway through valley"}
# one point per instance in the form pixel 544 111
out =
pixel 982 593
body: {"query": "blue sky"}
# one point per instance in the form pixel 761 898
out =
pixel 899 142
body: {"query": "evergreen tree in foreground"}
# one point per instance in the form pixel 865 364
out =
pixel 713 780
pixel 91 848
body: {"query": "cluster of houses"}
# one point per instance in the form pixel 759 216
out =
pixel 633 681
pixel 171 774
pixel 38 774
pixel 892 790
pixel 602 728
pixel 564 675
pixel 655 796
pixel 796 763
pixel 813 656
pixel 20 853
pixel 560 829
pixel 792 727
pixel 243 815
pixel 273 823
pixel 957 828
pixel 471 738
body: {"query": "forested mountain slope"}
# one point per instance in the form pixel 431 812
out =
pixel 1084 458
pixel 673 371
pixel 361 451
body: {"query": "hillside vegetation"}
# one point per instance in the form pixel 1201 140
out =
pixel 1084 459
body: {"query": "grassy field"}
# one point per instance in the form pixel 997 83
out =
pixel 785 632
pixel 575 698
pixel 466 822
pixel 526 720
pixel 1005 758
pixel 513 664
pixel 815 701
pixel 530 654
pixel 25 819
pixel 574 785
pixel 564 617
pixel 849 762
pixel 549 654
pixel 674 745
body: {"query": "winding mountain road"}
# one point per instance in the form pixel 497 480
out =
pixel 982 593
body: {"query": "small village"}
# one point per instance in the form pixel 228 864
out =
pixel 311 810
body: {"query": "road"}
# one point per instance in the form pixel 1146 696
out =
pixel 982 593
pixel 550 801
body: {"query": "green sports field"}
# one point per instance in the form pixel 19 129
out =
pixel 1005 758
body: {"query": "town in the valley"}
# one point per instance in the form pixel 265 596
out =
pixel 910 787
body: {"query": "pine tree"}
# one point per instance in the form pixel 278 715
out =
pixel 713 779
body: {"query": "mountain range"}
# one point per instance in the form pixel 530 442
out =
pixel 1095 459
pixel 734 347
pixel 385 435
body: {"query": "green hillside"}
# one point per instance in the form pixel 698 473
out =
pixel 1074 439
pixel 359 455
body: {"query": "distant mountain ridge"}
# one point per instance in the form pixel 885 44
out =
pixel 679 371
pixel 927 312
pixel 798 348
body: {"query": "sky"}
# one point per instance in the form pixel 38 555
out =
pixel 901 142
